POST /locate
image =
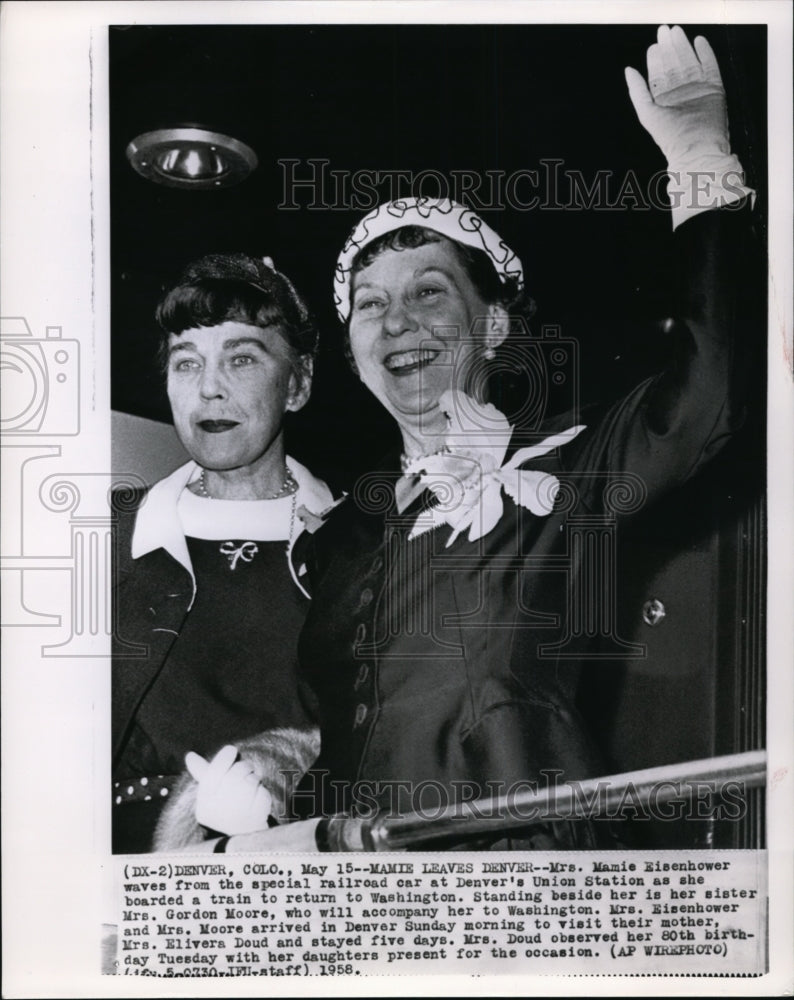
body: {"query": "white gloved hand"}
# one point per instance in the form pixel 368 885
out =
pixel 683 109
pixel 230 798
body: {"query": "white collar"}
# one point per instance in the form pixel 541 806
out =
pixel 157 525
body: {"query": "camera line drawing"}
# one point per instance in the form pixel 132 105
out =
pixel 40 407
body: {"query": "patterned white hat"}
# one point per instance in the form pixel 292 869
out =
pixel 439 214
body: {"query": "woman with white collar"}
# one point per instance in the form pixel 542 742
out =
pixel 207 603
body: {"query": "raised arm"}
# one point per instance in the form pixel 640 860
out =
pixel 670 426
pixel 683 108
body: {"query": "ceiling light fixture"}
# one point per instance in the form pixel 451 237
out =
pixel 188 156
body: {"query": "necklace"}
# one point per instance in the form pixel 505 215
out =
pixel 407 460
pixel 293 507
pixel 288 486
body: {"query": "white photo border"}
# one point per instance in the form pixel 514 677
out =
pixel 55 262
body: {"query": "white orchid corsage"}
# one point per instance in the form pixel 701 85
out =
pixel 468 474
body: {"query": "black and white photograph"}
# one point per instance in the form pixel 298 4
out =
pixel 401 504
pixel 548 543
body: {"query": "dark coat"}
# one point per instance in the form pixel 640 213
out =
pixel 438 668
pixel 153 595
pixel 151 599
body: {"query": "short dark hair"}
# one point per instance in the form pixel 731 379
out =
pixel 234 287
pixel 476 263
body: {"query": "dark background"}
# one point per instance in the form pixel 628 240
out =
pixel 481 98
pixel 411 97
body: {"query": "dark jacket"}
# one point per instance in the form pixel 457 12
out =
pixel 448 673
pixel 154 589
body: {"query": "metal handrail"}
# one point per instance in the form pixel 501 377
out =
pixel 570 800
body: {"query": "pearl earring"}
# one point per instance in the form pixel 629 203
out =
pixel 489 354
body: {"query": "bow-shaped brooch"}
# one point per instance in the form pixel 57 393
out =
pixel 468 475
pixel 245 551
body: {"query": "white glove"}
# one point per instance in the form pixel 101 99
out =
pixel 230 798
pixel 685 113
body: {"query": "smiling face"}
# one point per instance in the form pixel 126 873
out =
pixel 412 330
pixel 229 387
